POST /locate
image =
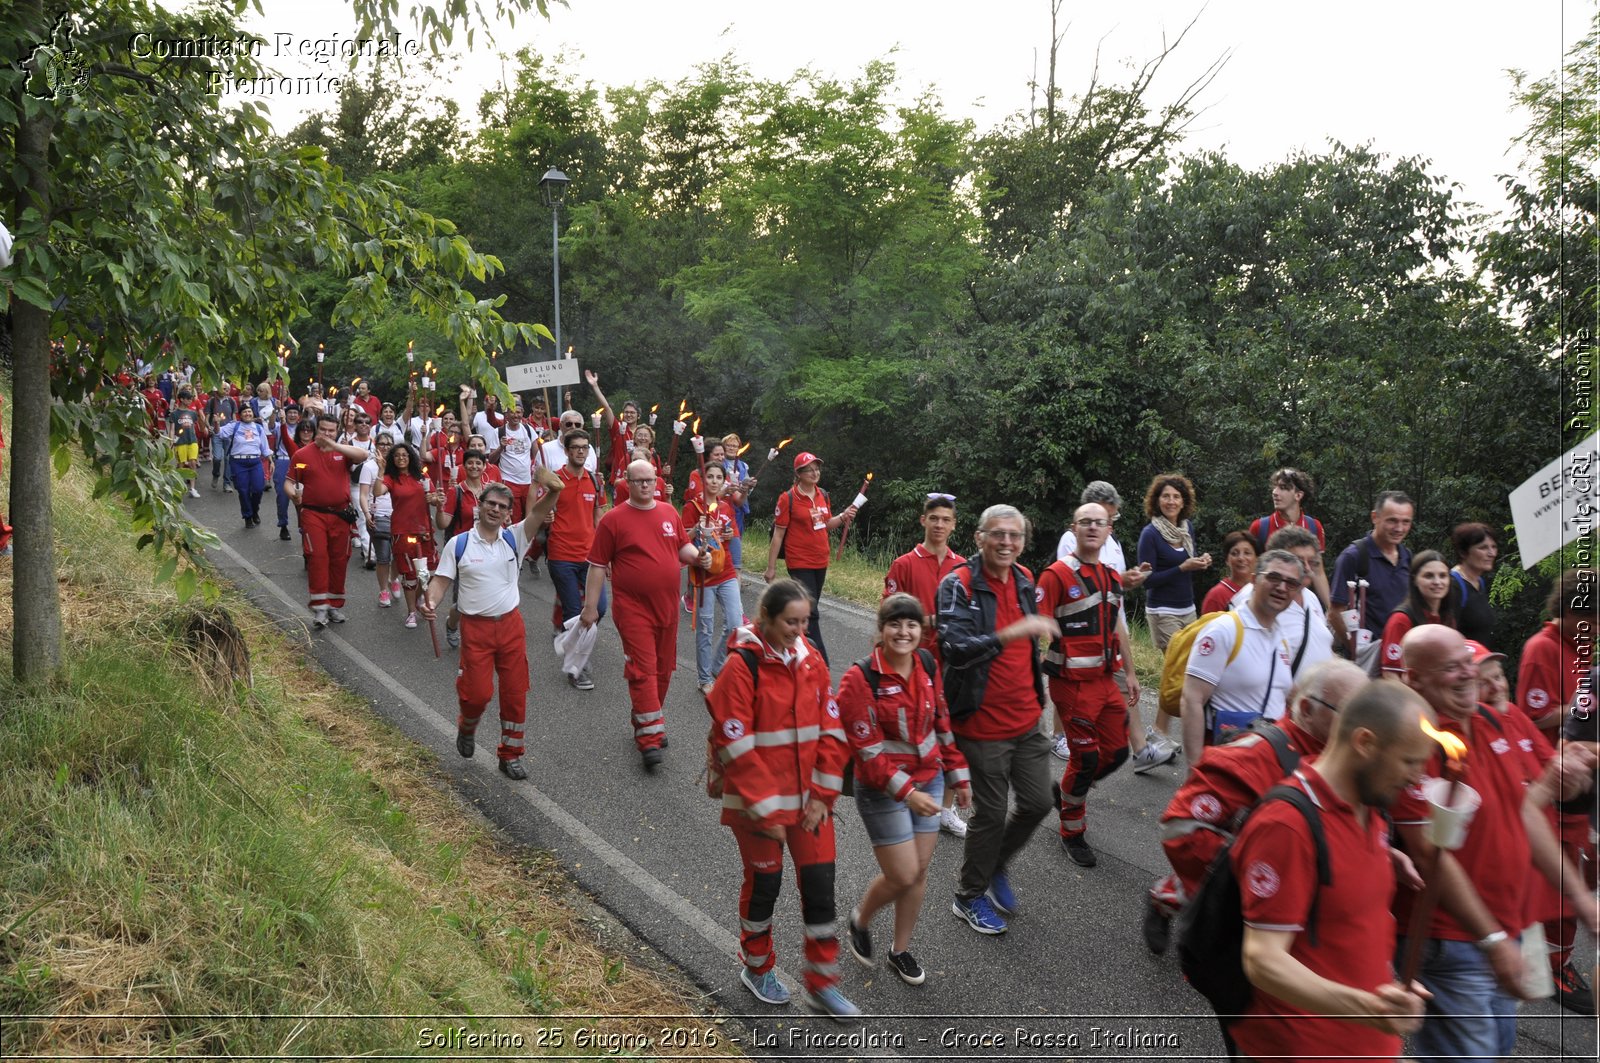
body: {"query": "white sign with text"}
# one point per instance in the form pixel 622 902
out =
pixel 561 372
pixel 1558 503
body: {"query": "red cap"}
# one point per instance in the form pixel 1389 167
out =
pixel 1481 653
pixel 804 458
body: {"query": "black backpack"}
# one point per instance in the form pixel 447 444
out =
pixel 1210 929
pixel 873 678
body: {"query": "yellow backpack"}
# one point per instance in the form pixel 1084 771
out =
pixel 1176 663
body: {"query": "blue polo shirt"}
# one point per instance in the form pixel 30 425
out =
pixel 1387 584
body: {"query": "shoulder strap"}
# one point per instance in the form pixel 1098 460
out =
pixel 1278 739
pixel 870 674
pixel 752 661
pixel 928 664
pixel 1238 638
pixel 1305 637
pixel 1461 581
pixel 1363 558
pixel 1259 529
pixel 1493 721
pixel 1302 801
pixel 509 539
pixel 458 545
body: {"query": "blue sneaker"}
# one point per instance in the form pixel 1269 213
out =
pixel 979 915
pixel 832 1003
pixel 1000 893
pixel 765 986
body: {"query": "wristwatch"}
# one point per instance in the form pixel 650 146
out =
pixel 1489 941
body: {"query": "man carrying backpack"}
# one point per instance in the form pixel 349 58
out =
pixel 483 560
pixel 1311 876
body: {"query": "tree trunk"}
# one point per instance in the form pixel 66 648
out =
pixel 36 606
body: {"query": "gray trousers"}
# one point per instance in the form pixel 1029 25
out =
pixel 1015 766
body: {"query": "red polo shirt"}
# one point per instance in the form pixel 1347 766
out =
pixel 1496 855
pixel 371 405
pixel 572 532
pixel 805 524
pixel 1010 706
pixel 1276 864
pixel 325 476
pixel 1547 678
pixel 918 573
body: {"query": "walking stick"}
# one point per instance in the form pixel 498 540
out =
pixel 423 576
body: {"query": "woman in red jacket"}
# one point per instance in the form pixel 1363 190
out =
pixel 892 707
pixel 410 525
pixel 776 737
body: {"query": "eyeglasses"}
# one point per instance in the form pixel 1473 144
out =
pixel 1004 534
pixel 1093 522
pixel 1279 580
pixel 490 503
pixel 940 496
pixel 1330 706
pixel 642 482
pixel 571 424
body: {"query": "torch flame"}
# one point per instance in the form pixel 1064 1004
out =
pixel 356 381
pixel 598 412
pixel 697 426
pixel 440 411
pixel 654 407
pixel 786 442
pixel 869 477
pixel 740 452
pixel 569 350
pixel 410 344
pixel 1454 747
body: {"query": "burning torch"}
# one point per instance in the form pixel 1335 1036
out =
pixel 860 500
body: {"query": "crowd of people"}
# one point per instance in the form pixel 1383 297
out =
pixel 981 673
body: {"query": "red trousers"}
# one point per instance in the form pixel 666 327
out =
pixel 1096 718
pixel 491 648
pixel 327 547
pixel 813 856
pixel 650 655
pixel 1560 924
pixel 519 501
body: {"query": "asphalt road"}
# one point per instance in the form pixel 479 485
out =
pixel 1072 979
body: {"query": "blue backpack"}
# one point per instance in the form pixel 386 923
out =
pixel 458 544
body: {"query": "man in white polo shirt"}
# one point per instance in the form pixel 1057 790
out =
pixel 484 560
pixel 1238 669
pixel 1305 622
pixel 554 454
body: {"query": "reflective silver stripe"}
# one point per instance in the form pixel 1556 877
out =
pixel 836 733
pixel 897 782
pixel 828 970
pixel 822 931
pixel 869 752
pixel 752 927
pixel 828 782
pixel 646 717
pixel 926 746
pixel 652 729
pixel 1097 661
pixel 786 737
pixel 1173 829
pixel 736 749
pixel 776 803
pixel 903 748
pixel 754 961
pixel 957 776
pixel 1072 608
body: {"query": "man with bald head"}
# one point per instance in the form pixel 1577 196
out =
pixel 1318 954
pixel 644 545
pixel 1084 595
pixel 1472 963
pixel 1228 780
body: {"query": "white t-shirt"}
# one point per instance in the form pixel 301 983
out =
pixel 1292 622
pixel 416 429
pixel 554 456
pixel 396 432
pixel 1257 681
pixel 487 580
pixel 381 507
pixel 516 460
pixel 490 434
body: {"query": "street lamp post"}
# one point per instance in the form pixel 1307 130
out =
pixel 554 183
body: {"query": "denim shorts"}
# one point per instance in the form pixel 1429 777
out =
pixel 382 541
pixel 890 822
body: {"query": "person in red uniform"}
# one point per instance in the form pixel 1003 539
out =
pixel 320 479
pixel 1291 489
pixel 714 589
pixel 1239 552
pixel 644 544
pixel 569 537
pixel 156 405
pixel 1085 598
pixel 446 448
pixel 988 621
pixel 905 756
pixel 411 525
pixel 1472 961
pixel 494 643
pixel 918 573
pixel 619 432
pixel 779 755
pixel 800 526
pixel 1430 599
pixel 644 439
pixel 1554 661
pixel 1228 780
pixel 1327 989
pixel 367 401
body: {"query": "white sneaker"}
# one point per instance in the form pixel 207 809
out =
pixel 452 637
pixel 1155 753
pixel 319 616
pixel 1059 748
pixel 950 822
pixel 192 492
pixel 336 614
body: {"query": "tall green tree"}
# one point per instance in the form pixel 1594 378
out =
pixel 153 217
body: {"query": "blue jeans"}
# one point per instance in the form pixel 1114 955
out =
pixel 220 460
pixel 569 578
pixel 280 476
pixel 1470 1017
pixel 709 653
pixel 250 480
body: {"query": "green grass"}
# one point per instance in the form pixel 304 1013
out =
pixel 176 843
pixel 857 576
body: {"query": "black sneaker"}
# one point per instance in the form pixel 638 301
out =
pixel 860 941
pixel 283 534
pixel 1573 991
pixel 465 744
pixel 1079 850
pixel 906 966
pixel 513 769
pixel 652 758
pixel 1157 928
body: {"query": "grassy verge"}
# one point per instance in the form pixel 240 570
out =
pixel 857 576
pixel 184 849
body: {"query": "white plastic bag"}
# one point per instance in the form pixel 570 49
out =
pixel 575 644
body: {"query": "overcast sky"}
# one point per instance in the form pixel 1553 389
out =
pixel 1412 77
